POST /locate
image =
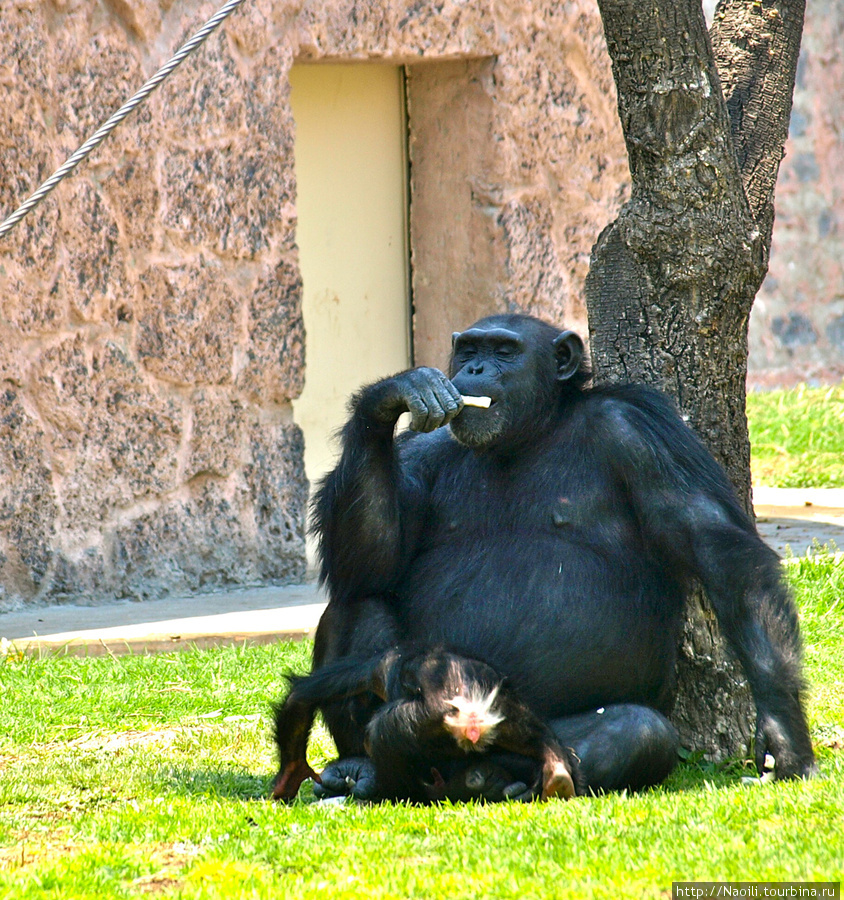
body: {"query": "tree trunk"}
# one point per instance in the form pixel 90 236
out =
pixel 673 279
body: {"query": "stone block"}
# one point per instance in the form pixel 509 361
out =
pixel 274 364
pixel 216 435
pixel 187 324
pixel 93 280
pixel 25 98
pixel 202 101
pixel 181 547
pixel 80 577
pixel 227 533
pixel 268 115
pixel 278 490
pixel 250 30
pixel 535 283
pixel 132 195
pixel 31 306
pixel 118 439
pixel 227 199
pixel 95 73
pixel 28 508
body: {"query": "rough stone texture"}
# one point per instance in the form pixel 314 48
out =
pixel 797 324
pixel 151 339
pixel 517 163
pixel 187 324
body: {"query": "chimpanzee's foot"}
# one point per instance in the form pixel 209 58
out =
pixel 622 746
pixel 353 776
pixel 290 778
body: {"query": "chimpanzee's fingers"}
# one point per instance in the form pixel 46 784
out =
pixel 452 401
pixel 519 792
pixel 761 750
pixel 432 400
pixel 365 788
pixel 342 777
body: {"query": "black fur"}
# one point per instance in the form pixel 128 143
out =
pixel 415 756
pixel 558 539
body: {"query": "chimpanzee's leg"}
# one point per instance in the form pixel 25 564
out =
pixel 361 628
pixel 621 746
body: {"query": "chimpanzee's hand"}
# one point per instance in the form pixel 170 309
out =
pixel 790 748
pixel 492 783
pixel 353 776
pixel 484 780
pixel 431 399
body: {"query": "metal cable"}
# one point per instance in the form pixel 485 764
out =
pixel 97 138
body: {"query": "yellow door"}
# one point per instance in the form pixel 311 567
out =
pixel 351 176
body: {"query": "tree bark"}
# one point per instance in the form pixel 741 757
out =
pixel 673 279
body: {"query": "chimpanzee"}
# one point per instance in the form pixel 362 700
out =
pixel 439 710
pixel 555 535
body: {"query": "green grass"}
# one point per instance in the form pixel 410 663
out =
pixel 147 776
pixel 797 437
pixel 143 776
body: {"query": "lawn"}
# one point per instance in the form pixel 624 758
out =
pixel 148 775
pixel 138 776
pixel 797 437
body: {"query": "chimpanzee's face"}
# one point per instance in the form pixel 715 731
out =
pixel 515 369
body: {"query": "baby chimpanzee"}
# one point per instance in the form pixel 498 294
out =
pixel 438 709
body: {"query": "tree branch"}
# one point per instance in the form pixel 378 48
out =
pixel 756 44
pixel 670 101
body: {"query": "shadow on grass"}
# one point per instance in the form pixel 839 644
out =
pixel 696 773
pixel 221 783
pixel 690 776
pixel 240 784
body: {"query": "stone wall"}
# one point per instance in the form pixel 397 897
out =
pixel 797 325
pixel 151 339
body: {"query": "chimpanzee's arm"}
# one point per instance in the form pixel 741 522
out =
pixel 358 510
pixel 689 512
pixel 293 720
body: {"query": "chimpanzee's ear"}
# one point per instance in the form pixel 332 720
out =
pixel 568 348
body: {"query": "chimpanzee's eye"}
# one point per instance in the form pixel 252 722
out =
pixel 464 353
pixel 506 351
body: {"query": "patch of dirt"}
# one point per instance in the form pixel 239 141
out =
pixel 121 740
pixel 168 859
pixel 32 848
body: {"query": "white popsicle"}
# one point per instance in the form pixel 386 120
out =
pixel 483 402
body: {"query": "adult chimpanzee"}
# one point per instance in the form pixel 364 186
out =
pixel 440 712
pixel 555 535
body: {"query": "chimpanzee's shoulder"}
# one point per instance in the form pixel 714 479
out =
pixel 631 397
pixel 643 431
pixel 633 409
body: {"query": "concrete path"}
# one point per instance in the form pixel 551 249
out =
pixel 790 520
pixel 257 615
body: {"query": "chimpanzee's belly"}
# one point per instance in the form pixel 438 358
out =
pixel 573 625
